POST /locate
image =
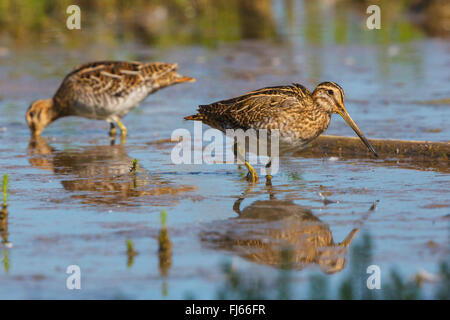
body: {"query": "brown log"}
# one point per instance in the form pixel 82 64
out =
pixel 409 154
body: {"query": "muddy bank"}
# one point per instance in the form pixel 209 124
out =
pixel 414 154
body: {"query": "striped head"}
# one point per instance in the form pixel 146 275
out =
pixel 173 78
pixel 39 115
pixel 329 96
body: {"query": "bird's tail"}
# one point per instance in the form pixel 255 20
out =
pixel 180 79
pixel 195 117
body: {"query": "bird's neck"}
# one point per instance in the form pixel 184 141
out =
pixel 59 109
pixel 173 78
pixel 322 121
pixel 318 113
pixel 315 122
pixel 322 110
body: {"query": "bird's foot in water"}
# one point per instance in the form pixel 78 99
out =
pixel 252 176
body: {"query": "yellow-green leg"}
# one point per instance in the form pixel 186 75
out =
pixel 252 176
pixel 239 153
pixel 112 130
pixel 123 129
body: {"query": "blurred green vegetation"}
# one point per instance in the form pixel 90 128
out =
pixel 157 21
pixel 164 252
pixel 244 285
pixel 131 253
pixel 209 22
pixel 4 223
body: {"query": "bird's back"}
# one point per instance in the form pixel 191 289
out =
pixel 266 108
pixel 105 88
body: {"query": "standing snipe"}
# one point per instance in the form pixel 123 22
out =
pixel 104 90
pixel 299 115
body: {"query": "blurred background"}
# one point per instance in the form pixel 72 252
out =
pixel 209 22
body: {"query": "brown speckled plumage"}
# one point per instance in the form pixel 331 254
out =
pixel 299 115
pixel 104 90
pixel 290 109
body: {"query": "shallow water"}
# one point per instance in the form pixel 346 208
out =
pixel 72 200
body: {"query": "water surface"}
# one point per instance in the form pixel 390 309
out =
pixel 72 200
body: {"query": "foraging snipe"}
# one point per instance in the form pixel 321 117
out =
pixel 299 115
pixel 104 90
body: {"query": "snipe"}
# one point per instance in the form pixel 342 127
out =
pixel 299 115
pixel 104 90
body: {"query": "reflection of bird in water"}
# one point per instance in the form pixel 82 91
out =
pixel 266 229
pixel 104 90
pixel 101 174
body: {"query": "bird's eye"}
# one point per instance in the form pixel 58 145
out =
pixel 330 92
pixel 31 114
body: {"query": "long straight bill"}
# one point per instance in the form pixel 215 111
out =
pixel 344 114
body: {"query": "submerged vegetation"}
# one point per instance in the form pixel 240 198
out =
pixel 237 285
pixel 164 247
pixel 5 189
pixel 4 223
pixel 131 253
pixel 246 285
pixel 134 166
pixel 164 252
